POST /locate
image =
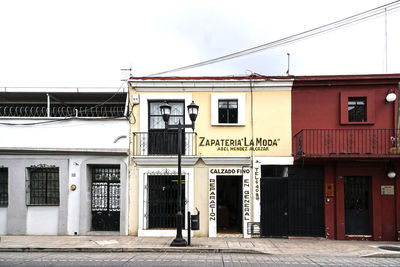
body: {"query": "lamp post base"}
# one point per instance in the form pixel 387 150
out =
pixel 179 242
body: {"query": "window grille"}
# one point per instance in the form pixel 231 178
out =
pixel 227 111
pixel 43 186
pixel 3 187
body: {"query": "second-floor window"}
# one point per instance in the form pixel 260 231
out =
pixel 162 141
pixel 227 111
pixel 357 109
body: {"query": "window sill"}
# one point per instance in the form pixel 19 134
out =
pixel 229 124
pixel 358 123
pixel 43 205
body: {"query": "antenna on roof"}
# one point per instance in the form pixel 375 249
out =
pixel 126 74
pixel 288 64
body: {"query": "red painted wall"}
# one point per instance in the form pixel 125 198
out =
pixel 316 105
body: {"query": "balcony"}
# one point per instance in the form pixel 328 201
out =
pixel 345 143
pixel 163 143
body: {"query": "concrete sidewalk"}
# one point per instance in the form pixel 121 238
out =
pixel 320 247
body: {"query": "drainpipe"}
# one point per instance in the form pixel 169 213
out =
pixel 48 105
pixel 398 116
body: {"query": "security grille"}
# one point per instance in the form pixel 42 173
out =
pixel 44 186
pixel 162 197
pixel 106 198
pixel 3 187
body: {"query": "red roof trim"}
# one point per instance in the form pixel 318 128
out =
pixel 250 77
pixel 262 77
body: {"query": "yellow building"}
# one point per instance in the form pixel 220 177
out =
pixel 244 123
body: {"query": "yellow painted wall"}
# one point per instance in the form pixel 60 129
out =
pixel 271 120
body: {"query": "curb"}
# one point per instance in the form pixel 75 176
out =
pixel 382 255
pixel 161 249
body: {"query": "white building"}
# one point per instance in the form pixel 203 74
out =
pixel 63 161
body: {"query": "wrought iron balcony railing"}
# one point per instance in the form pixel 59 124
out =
pixel 347 143
pixel 163 143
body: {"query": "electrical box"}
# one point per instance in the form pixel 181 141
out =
pixel 135 99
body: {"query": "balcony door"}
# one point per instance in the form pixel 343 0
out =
pixel 161 141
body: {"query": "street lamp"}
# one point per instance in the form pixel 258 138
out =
pixel 193 110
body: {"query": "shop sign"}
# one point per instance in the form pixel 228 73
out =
pixel 212 200
pixel 230 171
pixel 246 200
pixel 239 144
pixel 257 183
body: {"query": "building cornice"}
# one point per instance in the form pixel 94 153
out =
pixel 164 160
pixel 211 85
pixel 63 151
pixel 218 160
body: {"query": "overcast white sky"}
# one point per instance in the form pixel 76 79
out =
pixel 86 43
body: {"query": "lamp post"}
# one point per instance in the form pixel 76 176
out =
pixel 193 110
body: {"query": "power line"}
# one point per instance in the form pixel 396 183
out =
pixel 359 17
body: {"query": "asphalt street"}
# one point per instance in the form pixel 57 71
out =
pixel 183 259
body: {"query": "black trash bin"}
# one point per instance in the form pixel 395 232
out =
pixel 195 221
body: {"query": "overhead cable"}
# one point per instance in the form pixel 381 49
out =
pixel 294 38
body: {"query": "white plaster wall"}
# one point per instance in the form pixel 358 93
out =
pixel 3 221
pixel 74 196
pixel 42 221
pixel 71 133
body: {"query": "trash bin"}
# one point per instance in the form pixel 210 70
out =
pixel 195 221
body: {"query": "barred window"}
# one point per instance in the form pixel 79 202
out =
pixel 3 187
pixel 43 186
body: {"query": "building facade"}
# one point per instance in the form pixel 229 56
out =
pixel 346 134
pixel 243 127
pixel 63 161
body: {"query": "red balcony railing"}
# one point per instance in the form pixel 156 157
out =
pixel 347 143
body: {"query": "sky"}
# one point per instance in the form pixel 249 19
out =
pixel 85 43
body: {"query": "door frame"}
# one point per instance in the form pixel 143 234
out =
pixel 245 172
pixel 359 169
pixel 143 199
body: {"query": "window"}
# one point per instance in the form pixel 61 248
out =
pixel 162 141
pixel 357 109
pixel 43 186
pixel 227 111
pixel 3 187
pixel 155 118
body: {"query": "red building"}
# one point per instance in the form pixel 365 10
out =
pixel 348 125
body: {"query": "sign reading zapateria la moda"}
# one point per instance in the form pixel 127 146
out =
pixel 240 144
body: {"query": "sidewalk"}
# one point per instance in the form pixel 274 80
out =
pixel 321 247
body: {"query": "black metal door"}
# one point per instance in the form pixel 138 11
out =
pixel 293 205
pixel 274 206
pixel 356 205
pixel 162 201
pixel 105 198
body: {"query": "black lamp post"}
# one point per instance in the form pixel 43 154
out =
pixel 193 110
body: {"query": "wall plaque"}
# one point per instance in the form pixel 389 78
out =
pixel 387 190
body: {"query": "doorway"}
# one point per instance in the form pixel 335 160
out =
pixel 357 205
pixel 105 202
pixel 292 201
pixel 229 204
pixel 163 206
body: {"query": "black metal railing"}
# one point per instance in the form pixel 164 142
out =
pixel 163 143
pixel 41 110
pixel 347 142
